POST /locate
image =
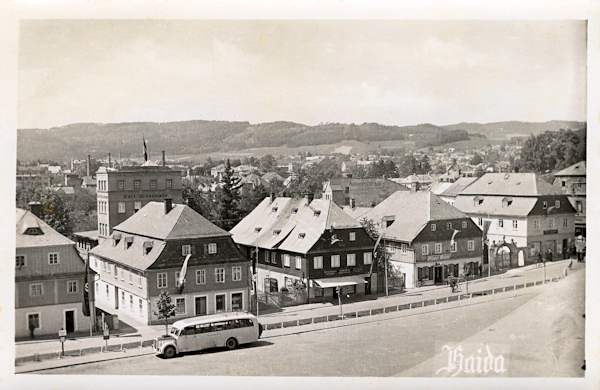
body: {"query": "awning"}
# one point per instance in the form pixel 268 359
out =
pixel 343 281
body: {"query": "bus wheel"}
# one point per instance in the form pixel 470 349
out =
pixel 169 352
pixel 231 343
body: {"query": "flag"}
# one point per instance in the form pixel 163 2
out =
pixel 375 250
pixel 86 290
pixel 486 227
pixel 181 279
pixel 453 235
pixel 145 149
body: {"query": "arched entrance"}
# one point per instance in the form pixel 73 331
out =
pixel 503 258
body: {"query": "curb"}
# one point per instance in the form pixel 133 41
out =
pixel 300 322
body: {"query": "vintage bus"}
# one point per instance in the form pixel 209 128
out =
pixel 218 330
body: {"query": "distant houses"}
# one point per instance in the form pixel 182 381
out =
pixel 572 181
pixel 366 192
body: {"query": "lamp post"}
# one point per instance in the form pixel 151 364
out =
pixel 339 294
pixel 255 273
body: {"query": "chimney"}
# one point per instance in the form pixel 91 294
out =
pixel 309 198
pixel 88 165
pixel 72 169
pixel 168 205
pixel 163 156
pixel 36 209
pixel 414 187
pixel 352 203
pixel 272 197
pixel 109 161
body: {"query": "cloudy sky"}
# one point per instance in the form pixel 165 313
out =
pixel 392 72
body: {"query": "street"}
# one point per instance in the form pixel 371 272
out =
pixel 392 344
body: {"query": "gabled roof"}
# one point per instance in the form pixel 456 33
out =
pixel 366 192
pixel 510 184
pixel 458 186
pixel 25 220
pixel 290 224
pixel 134 255
pixel 574 170
pixel 439 187
pixel 520 206
pixel 181 222
pixel 411 211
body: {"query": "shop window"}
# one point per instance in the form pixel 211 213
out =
pixel 236 302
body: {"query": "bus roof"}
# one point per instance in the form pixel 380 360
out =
pixel 211 318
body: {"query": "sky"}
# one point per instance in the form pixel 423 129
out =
pixel 395 72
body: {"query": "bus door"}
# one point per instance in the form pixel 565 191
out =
pixel 186 339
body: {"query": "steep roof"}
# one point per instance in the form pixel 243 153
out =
pixel 367 192
pixel 458 186
pixel 510 184
pixel 520 206
pixel 134 255
pixel 25 220
pixel 290 224
pixel 181 222
pixel 574 170
pixel 411 211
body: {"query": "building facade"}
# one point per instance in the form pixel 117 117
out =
pixel 146 254
pixel 572 181
pixel 427 240
pixel 307 246
pixel 366 192
pixel 49 283
pixel 122 192
pixel 526 217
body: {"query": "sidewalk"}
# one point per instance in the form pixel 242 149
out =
pixel 35 350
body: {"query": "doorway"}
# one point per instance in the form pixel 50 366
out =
pixel 438 274
pixel 70 321
pixel 201 309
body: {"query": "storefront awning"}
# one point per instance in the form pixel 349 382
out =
pixel 343 281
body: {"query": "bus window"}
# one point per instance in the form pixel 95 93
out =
pixel 191 330
pixel 217 326
pixel 246 322
pixel 204 328
pixel 174 331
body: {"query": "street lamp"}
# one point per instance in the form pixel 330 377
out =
pixel 339 294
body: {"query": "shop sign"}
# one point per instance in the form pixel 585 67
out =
pixel 332 272
pixel 145 196
pixel 438 257
pixel 551 231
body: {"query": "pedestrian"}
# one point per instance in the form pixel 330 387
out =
pixel 540 259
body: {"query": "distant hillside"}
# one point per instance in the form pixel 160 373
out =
pixel 192 137
pixel 502 129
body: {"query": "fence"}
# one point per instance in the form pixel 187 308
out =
pixel 408 306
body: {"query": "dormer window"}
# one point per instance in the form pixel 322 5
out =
pixel 33 231
pixel 148 246
pixel 317 213
pixel 506 202
pixel 276 232
pixel 301 235
pixel 274 209
pixel 295 210
pixel 477 201
pixel 128 242
pixel 545 205
pixel 116 238
pixel 257 229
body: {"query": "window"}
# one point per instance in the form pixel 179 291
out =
pixel 563 183
pixel 200 276
pixel 551 223
pixel 53 258
pixel 236 274
pixel 579 206
pixel 20 261
pixel 515 224
pixel 480 221
pixel 36 290
pixel 274 257
pixel 136 184
pixel 72 286
pixel 152 184
pixel 186 250
pixel 438 247
pixel 557 204
pixel 318 262
pixel 545 205
pixel 169 184
pixel 177 274
pixel 162 280
pixel 139 281
pixel 107 294
pixel 536 224
pixel 425 249
pixel 179 306
pixel 471 245
pixel 123 298
pixel 500 222
pixel 335 261
pixel 464 224
pixel 220 275
pixel 140 306
pixel 136 206
pixel 352 236
pixel 453 246
pixel 212 248
pixel 33 320
pixel 131 302
pixel 122 273
pixel 121 207
pixel 367 258
pixel 433 227
pixel 286 260
pixel 121 185
pixel 237 301
pixel 565 222
pixel 449 226
pixel 403 248
pixel 298 262
pixel 351 259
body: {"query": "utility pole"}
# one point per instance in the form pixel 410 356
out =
pixel 255 274
pixel 339 293
pixel 385 260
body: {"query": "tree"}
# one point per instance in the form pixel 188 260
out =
pixel 54 212
pixel 380 251
pixel 424 165
pixel 164 309
pixel 476 160
pixel 228 199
